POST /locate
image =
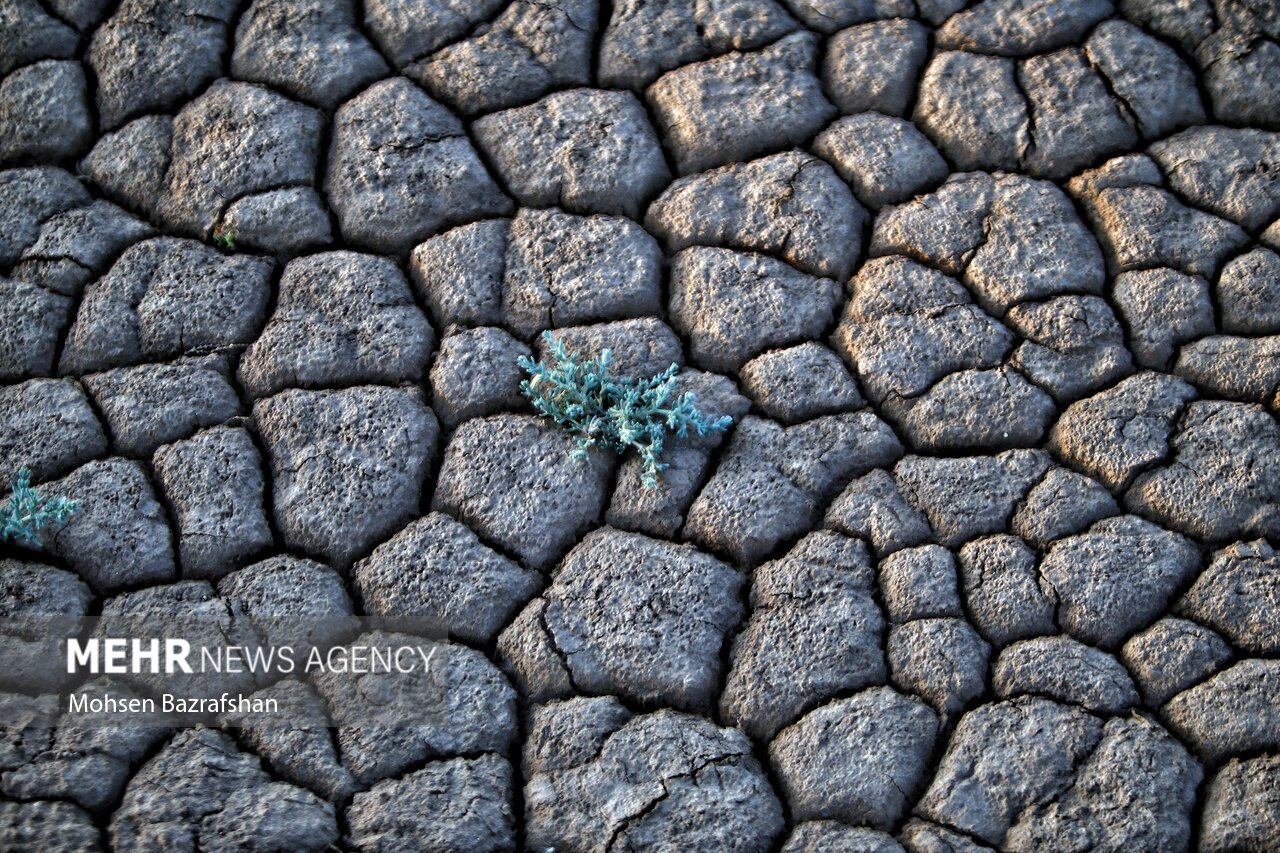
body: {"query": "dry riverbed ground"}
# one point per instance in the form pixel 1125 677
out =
pixel 991 291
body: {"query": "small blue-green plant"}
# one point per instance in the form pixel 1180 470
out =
pixel 28 511
pixel 225 239
pixel 616 413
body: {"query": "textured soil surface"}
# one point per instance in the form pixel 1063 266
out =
pixel 992 293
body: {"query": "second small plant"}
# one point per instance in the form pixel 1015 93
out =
pixel 27 512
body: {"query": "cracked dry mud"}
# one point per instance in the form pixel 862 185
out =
pixel 991 290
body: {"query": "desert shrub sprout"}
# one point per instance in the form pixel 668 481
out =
pixel 615 413
pixel 27 512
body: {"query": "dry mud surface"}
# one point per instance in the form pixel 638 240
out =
pixel 991 291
